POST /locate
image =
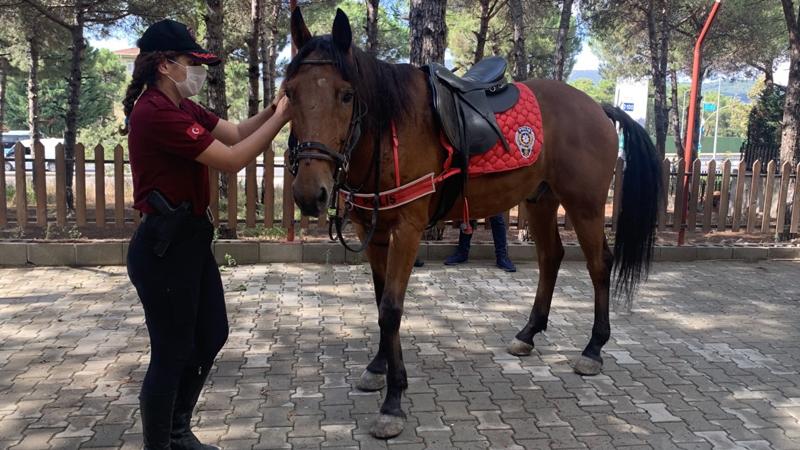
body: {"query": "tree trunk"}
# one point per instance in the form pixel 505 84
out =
pixel 372 26
pixel 790 134
pixel 33 87
pixel 676 114
pixel 73 102
pixel 658 37
pixel 520 56
pixel 270 49
pixel 253 42
pixel 561 40
pixel 428 31
pixel 483 30
pixel 217 101
pixel 3 83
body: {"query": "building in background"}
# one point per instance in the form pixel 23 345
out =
pixel 631 96
pixel 128 56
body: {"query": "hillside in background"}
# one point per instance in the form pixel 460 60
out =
pixel 730 88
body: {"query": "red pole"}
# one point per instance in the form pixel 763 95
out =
pixel 290 230
pixel 689 146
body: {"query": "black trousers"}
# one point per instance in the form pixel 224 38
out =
pixel 183 301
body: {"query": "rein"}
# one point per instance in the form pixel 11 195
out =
pixel 299 151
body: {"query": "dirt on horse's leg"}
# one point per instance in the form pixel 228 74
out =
pixel 402 251
pixel 542 216
pixel 599 260
pixel 374 376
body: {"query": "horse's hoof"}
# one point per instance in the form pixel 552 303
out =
pixel 519 348
pixel 587 366
pixel 386 426
pixel 370 381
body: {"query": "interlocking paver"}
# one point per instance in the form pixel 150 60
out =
pixel 709 358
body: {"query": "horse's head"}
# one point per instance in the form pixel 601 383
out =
pixel 326 113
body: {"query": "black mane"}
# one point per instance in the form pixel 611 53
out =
pixel 381 86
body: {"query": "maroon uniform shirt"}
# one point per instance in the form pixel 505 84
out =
pixel 163 142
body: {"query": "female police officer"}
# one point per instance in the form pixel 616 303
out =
pixel 172 141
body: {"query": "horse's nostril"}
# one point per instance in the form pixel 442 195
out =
pixel 323 195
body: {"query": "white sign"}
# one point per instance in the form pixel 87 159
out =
pixel 631 96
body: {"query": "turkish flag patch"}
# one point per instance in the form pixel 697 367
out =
pixel 195 130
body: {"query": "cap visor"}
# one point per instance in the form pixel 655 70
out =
pixel 205 58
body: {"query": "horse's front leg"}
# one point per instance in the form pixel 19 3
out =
pixel 402 250
pixel 374 376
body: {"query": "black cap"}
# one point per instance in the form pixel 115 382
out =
pixel 171 36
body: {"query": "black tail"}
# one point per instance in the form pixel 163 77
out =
pixel 641 198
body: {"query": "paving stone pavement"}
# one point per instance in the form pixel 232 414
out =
pixel 710 358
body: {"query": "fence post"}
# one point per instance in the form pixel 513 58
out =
pixel 666 171
pixel 738 200
pixel 3 203
pixel 677 214
pixel 708 207
pixel 250 191
pixel 233 201
pixel 752 208
pixel 61 186
pixel 765 223
pixel 80 185
pixel 99 187
pixel 722 217
pixel 40 183
pixel 269 187
pixel 22 192
pixel 119 188
pixel 693 197
pixel 780 223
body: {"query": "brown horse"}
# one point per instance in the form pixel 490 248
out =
pixel 344 103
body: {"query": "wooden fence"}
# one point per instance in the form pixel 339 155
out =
pixel 721 197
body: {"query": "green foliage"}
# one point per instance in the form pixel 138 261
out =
pixel 393 32
pixel 764 124
pixel 601 92
pixel 542 20
pixel 103 79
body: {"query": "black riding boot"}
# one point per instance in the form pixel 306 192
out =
pixel 156 413
pixel 462 251
pixel 501 243
pixel 189 390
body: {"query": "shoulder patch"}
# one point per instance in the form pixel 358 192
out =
pixel 195 130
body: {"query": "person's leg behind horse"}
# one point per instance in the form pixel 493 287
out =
pixel 543 223
pixel 500 238
pixel 210 335
pixel 461 254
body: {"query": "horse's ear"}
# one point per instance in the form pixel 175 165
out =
pixel 300 33
pixel 342 34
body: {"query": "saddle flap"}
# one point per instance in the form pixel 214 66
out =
pixel 504 99
pixel 487 70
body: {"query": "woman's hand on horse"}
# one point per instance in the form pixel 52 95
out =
pixel 282 109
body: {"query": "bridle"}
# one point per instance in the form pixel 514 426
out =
pixel 299 151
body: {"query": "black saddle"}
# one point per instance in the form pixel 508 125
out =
pixel 466 105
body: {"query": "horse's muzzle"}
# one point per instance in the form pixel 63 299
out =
pixel 311 203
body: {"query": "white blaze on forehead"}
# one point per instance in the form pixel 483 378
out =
pixel 322 82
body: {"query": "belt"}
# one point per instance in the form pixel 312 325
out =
pixel 208 216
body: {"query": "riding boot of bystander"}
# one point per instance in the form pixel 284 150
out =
pixel 501 243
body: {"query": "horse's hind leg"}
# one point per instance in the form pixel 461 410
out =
pixel 542 216
pixel 590 227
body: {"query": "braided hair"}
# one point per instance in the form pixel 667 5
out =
pixel 145 74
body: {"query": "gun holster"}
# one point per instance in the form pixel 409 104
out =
pixel 170 220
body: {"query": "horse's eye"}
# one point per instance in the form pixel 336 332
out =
pixel 347 97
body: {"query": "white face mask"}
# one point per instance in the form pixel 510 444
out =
pixel 195 77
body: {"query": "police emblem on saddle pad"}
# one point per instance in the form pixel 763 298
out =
pixel 522 127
